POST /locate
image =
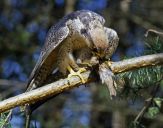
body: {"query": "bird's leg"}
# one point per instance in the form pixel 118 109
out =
pixel 78 73
pixel 85 63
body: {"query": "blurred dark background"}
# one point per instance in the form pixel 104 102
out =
pixel 23 27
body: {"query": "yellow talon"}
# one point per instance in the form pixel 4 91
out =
pixel 110 63
pixel 78 73
pixel 87 64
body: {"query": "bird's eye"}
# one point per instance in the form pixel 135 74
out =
pixel 83 31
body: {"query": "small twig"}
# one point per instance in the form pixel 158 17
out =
pixel 154 31
pixel 143 110
pixel 7 119
pixel 148 102
pixel 136 62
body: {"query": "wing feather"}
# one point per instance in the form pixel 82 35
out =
pixel 55 36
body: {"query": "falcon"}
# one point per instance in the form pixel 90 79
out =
pixel 75 39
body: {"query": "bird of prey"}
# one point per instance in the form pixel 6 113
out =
pixel 75 38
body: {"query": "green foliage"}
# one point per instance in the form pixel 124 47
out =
pixel 158 101
pixel 3 117
pixel 152 112
pixel 145 77
pixel 154 45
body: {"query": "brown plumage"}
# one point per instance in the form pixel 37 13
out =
pixel 73 38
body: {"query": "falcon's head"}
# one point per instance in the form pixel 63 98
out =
pixel 105 40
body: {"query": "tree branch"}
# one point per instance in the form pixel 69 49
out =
pixel 63 84
pixel 137 62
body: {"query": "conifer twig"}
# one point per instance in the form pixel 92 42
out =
pixel 7 119
pixel 154 31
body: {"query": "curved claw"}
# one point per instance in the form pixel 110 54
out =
pixel 110 63
pixel 78 73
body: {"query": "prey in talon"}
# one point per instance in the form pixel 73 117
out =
pixel 78 73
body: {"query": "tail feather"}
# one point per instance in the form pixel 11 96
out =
pixel 30 108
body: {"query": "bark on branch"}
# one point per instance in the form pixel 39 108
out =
pixel 63 84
